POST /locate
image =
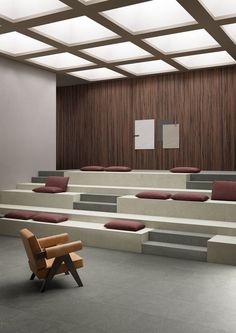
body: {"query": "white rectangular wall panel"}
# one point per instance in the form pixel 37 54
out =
pixel 145 134
pixel 171 136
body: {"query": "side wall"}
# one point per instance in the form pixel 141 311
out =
pixel 27 122
pixel 95 122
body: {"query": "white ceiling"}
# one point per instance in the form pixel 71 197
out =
pixel 95 40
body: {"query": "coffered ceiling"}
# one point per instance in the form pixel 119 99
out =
pixel 93 40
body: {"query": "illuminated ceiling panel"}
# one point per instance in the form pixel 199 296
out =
pixel 211 59
pixel 97 74
pixel 75 31
pixel 150 16
pixel 183 41
pixel 219 9
pixel 16 10
pixel 61 61
pixel 117 52
pixel 17 44
pixel 148 67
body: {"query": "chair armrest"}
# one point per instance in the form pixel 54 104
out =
pixel 53 240
pixel 63 249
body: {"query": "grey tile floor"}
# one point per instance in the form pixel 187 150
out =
pixel 123 292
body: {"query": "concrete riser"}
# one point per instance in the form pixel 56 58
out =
pixel 197 185
pixel 101 207
pixel 38 179
pixel 174 253
pixel 178 239
pixel 99 198
pixel 212 177
pixel 50 173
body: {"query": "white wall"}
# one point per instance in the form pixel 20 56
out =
pixel 27 122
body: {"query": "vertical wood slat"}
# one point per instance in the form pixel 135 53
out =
pixel 95 122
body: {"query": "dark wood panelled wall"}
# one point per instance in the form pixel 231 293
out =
pixel 95 122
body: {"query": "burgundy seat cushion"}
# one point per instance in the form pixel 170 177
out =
pixel 153 195
pixel 224 190
pixel 48 217
pixel 118 168
pixel 20 214
pixel 57 181
pixel 92 168
pixel 125 225
pixel 47 189
pixel 185 170
pixel 189 196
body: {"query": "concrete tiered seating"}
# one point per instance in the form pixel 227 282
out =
pixel 210 210
pixel 205 179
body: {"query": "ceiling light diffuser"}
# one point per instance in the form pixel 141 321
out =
pixel 16 10
pixel 150 16
pixel 183 41
pixel 117 52
pixel 97 74
pixel 16 44
pixel 90 2
pixel 61 61
pixel 74 31
pixel 219 9
pixel 230 29
pixel 211 59
pixel 148 67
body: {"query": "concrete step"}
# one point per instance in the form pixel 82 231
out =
pixel 108 198
pixel 175 250
pixel 212 176
pixel 38 179
pixel 51 173
pixel 95 206
pixel 199 185
pixel 179 237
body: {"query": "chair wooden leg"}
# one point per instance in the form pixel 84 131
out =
pixel 56 264
pixel 32 276
pixel 73 271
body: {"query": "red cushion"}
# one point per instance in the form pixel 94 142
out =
pixel 57 181
pixel 153 195
pixel 125 225
pixel 47 217
pixel 189 196
pixel 224 190
pixel 20 214
pixel 48 189
pixel 118 168
pixel 92 168
pixel 185 170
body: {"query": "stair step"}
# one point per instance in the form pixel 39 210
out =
pixel 95 206
pixel 175 250
pixel 199 185
pixel 212 177
pixel 179 237
pixel 106 198
pixel 51 173
pixel 38 179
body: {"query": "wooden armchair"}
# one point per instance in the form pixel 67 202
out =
pixel 51 255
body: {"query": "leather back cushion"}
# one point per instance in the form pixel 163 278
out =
pixel 20 214
pixel 153 195
pixel 92 168
pixel 57 181
pixel 118 168
pixel 185 170
pixel 48 217
pixel 224 190
pixel 47 189
pixel 125 225
pixel 189 196
pixel 32 247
